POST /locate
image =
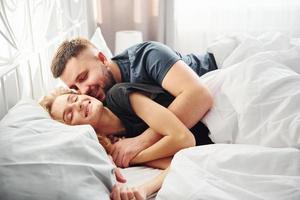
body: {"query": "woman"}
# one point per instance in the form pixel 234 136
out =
pixel 130 109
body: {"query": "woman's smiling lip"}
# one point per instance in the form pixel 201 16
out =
pixel 88 108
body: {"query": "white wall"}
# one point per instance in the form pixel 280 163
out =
pixel 198 22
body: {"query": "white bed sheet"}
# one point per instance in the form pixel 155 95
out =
pixel 232 171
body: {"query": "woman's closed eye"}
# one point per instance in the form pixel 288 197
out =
pixel 74 98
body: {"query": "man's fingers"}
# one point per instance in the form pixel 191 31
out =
pixel 123 152
pixel 119 159
pixel 112 149
pixel 115 156
pixel 125 161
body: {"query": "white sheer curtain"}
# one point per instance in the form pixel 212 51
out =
pixel 199 22
pixel 30 31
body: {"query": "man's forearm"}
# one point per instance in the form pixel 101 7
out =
pixel 148 138
pixel 199 102
pixel 165 147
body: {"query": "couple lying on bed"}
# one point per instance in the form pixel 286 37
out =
pixel 133 109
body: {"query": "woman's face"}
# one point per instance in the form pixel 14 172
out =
pixel 75 109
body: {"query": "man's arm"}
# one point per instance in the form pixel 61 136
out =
pixel 162 163
pixel 192 96
pixel 126 149
pixel 176 135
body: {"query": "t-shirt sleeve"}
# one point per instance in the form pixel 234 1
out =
pixel 157 59
pixel 117 100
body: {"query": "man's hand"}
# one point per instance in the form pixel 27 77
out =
pixel 125 150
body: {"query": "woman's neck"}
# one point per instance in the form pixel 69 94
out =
pixel 109 124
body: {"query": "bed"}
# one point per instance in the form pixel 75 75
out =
pixel 255 118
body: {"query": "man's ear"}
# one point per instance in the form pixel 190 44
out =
pixel 102 57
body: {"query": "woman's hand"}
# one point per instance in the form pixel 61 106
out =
pixel 122 192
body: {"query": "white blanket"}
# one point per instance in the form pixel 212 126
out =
pixel 256 100
pixel 232 171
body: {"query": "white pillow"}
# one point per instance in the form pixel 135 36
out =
pixel 98 40
pixel 43 159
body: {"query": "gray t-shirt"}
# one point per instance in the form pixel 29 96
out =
pixel 149 62
pixel 118 102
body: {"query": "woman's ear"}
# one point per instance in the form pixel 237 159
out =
pixel 102 57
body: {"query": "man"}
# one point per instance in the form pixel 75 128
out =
pixel 83 68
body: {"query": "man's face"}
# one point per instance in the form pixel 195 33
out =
pixel 87 74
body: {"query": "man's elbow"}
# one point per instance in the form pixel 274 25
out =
pixel 209 99
pixel 204 96
pixel 188 140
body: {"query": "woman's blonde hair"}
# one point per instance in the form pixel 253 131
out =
pixel 47 102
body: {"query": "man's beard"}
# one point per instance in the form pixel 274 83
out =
pixel 110 81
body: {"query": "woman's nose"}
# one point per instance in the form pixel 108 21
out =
pixel 77 105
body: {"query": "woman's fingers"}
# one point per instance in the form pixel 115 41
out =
pixel 138 195
pixel 115 194
pixel 130 194
pixel 126 193
pixel 122 192
pixel 120 178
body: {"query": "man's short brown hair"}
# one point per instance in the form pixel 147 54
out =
pixel 67 50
